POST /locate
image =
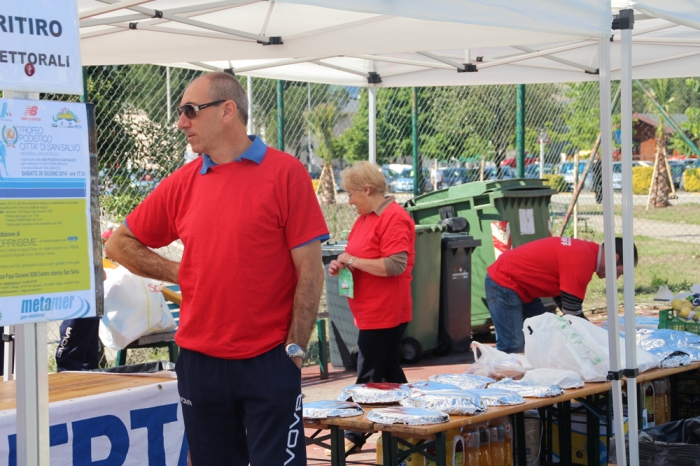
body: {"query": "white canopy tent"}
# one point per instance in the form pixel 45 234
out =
pixel 299 38
pixel 382 44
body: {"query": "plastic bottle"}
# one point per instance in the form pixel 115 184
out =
pixel 470 435
pixel 450 437
pixel 497 436
pixel 650 403
pixel 484 443
pixel 662 400
pixel 505 432
pixel 416 459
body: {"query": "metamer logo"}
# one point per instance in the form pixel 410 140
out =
pixel 64 307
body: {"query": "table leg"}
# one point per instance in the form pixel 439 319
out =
pixel 520 438
pixel 564 418
pixel 337 446
pixel 322 357
pixel 592 433
pixel 390 450
pixel 441 449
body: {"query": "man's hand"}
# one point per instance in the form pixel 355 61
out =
pixel 126 249
pixel 298 361
pixel 309 267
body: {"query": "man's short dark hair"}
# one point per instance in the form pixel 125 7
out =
pixel 618 251
pixel 223 86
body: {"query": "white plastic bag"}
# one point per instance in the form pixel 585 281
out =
pixel 575 344
pixel 497 364
pixel 134 307
pixel 562 377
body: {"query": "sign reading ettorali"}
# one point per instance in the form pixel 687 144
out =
pixel 45 240
pixel 40 46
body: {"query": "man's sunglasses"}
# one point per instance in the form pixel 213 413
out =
pixel 191 110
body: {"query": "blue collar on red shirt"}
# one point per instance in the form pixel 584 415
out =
pixel 255 153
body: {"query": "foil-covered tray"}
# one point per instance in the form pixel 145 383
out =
pixel 408 416
pixel 528 389
pixel 496 397
pixel 331 408
pixel 427 386
pixel 463 381
pixel 454 402
pixel 672 357
pixel 374 393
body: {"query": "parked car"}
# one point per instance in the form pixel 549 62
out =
pixel 567 169
pixel 404 182
pixel 617 174
pixel 677 169
pixel 507 173
pixel 457 176
pixel 533 170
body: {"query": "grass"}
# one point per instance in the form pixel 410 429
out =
pixel 660 262
pixel 684 214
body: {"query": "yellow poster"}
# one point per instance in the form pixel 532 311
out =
pixel 43 246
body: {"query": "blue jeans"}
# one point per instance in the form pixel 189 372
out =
pixel 508 313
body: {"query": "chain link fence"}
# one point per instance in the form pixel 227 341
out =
pixel 455 134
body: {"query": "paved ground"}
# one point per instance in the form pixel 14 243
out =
pixel 315 389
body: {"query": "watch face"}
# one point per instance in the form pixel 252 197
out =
pixel 295 350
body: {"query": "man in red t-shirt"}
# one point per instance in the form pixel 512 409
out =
pixel 251 278
pixel 556 266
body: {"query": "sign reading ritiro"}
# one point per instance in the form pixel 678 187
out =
pixel 40 46
pixel 45 240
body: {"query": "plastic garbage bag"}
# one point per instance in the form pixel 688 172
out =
pixel 572 343
pixel 562 377
pixel 495 364
pixel 134 307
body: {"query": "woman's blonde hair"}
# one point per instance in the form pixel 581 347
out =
pixel 363 175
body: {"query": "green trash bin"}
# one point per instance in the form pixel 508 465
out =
pixel 503 214
pixel 421 335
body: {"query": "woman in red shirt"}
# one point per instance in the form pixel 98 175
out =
pixel 380 253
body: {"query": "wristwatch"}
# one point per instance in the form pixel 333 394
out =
pixel 352 259
pixel 294 351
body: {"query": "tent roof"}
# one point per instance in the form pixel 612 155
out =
pixel 317 33
pixel 521 44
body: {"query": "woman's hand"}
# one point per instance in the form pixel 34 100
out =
pixel 344 258
pixel 334 267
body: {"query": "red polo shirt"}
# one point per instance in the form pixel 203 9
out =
pixel 382 302
pixel 546 267
pixel 238 223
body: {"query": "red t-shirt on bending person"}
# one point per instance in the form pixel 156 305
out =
pixel 238 223
pixel 546 267
pixel 382 302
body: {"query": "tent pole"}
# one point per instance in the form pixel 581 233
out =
pixel 280 115
pixel 249 91
pixel 609 240
pixel 520 130
pixel 628 244
pixel 417 172
pixel 372 123
pixel 167 91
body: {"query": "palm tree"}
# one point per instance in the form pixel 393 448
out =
pixel 320 120
pixel 662 92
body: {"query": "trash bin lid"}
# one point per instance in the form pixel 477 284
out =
pixel 459 240
pixel 420 229
pixel 518 187
pixel 333 248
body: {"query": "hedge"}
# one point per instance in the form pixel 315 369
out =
pixel 641 179
pixel 556 182
pixel 691 180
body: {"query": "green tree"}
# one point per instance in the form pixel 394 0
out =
pixel 320 120
pixel 662 90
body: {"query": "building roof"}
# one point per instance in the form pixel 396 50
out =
pixel 653 120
